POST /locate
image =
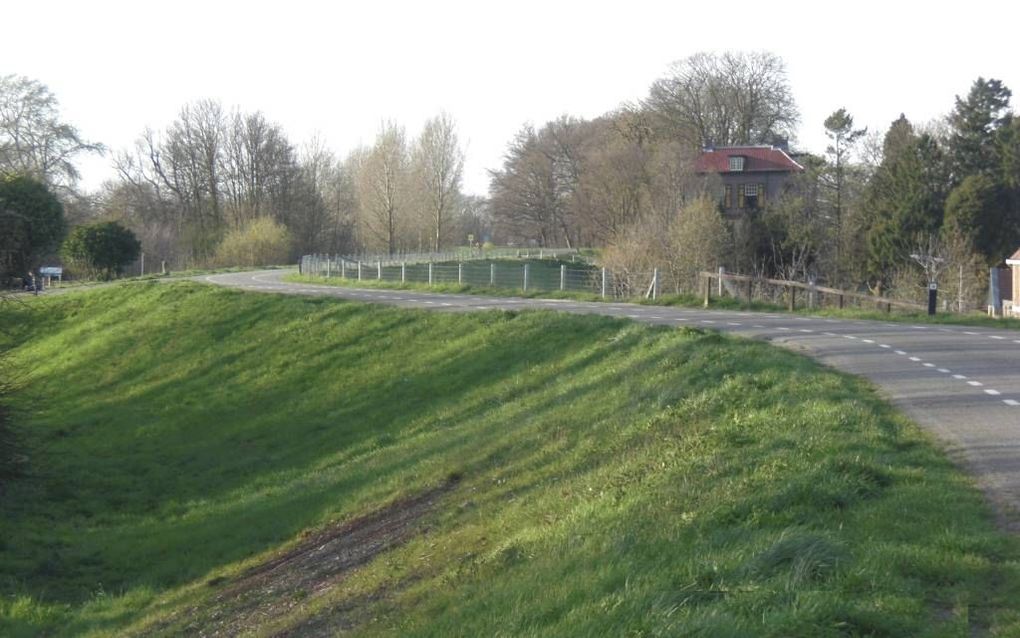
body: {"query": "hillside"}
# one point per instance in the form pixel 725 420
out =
pixel 235 462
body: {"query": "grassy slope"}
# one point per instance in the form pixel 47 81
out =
pixel 617 478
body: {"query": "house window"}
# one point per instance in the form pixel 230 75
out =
pixel 736 163
pixel 752 195
pixel 727 196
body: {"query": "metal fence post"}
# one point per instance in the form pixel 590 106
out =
pixel 460 274
pixel 343 268
pixel 603 283
pixel 378 270
pixel 563 277
pixel 328 271
pixel 492 274
pixel 655 284
pixel 430 273
pixel 525 277
pixel 722 271
pixel 403 271
pixel 359 271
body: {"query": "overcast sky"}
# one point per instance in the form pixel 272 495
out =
pixel 118 67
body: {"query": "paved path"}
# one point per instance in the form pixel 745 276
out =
pixel 961 383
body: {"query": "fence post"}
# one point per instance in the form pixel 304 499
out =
pixel 541 254
pixel 460 274
pixel 492 275
pixel 707 284
pixel 750 290
pixel 525 277
pixel 343 268
pixel 378 270
pixel 793 298
pixel 430 273
pixel 563 276
pixel 403 271
pixel 840 301
pixel 328 271
pixel 722 271
pixel 655 284
pixel 359 271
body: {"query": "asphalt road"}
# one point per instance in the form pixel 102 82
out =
pixel 961 383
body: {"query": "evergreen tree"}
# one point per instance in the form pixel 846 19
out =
pixel 31 223
pixel 839 127
pixel 979 209
pixel 905 198
pixel 975 124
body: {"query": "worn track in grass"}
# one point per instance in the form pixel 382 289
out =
pixel 298 576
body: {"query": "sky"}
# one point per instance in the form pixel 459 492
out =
pixel 339 70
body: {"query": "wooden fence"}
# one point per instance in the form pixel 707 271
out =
pixel 815 294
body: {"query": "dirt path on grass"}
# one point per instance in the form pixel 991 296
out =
pixel 297 577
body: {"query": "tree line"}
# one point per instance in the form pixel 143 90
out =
pixel 862 214
pixel 220 185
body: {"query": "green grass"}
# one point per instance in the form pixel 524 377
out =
pixel 617 479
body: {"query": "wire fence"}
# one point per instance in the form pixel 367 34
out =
pixel 542 270
pixel 458 254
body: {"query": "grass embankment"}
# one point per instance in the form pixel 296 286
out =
pixel 612 479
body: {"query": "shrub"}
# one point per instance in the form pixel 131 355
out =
pixel 100 250
pixel 260 242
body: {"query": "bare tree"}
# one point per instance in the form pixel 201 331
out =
pixel 727 99
pixel 439 164
pixel 33 139
pixel 382 183
pixel 698 239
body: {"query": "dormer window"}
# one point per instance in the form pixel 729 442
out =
pixel 736 162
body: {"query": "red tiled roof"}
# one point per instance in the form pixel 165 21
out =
pixel 757 159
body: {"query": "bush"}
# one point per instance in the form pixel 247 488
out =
pixel 31 223
pixel 101 250
pixel 261 242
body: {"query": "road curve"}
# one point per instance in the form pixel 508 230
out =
pixel 961 383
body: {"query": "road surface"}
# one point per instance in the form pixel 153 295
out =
pixel 961 383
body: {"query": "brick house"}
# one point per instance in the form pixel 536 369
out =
pixel 751 175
